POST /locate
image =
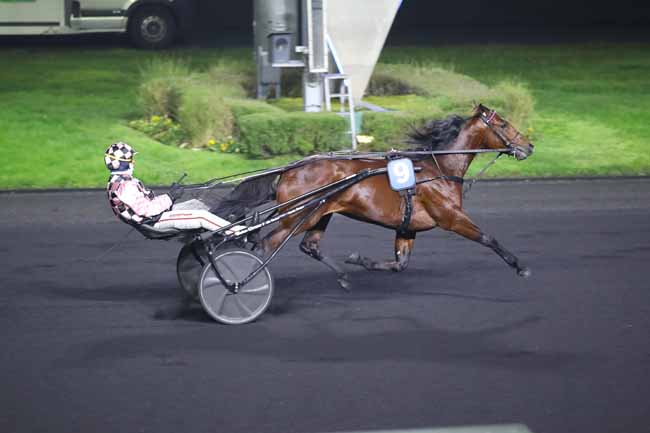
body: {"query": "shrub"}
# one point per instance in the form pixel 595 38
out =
pixel 211 109
pixel 425 80
pixel 200 101
pixel 445 92
pixel 205 115
pixel 236 78
pixel 163 81
pixel 269 134
pixel 383 83
pixel 288 103
pixel 244 107
pixel 516 102
pixel 291 83
pixel 390 129
pixel 160 96
pixel 163 129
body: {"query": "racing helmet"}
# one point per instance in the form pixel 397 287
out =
pixel 119 157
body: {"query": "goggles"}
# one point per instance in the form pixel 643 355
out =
pixel 115 158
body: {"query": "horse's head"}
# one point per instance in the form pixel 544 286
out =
pixel 500 134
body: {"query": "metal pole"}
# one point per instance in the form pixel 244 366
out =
pixel 312 91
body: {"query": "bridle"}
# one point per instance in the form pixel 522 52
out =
pixel 511 149
pixel 508 142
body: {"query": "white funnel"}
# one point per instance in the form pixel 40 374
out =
pixel 358 30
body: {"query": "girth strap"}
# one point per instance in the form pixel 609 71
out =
pixel 456 179
pixel 407 195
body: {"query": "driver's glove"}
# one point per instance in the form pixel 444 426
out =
pixel 175 192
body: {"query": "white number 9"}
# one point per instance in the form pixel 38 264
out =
pixel 401 172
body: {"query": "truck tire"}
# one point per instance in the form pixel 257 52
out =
pixel 152 28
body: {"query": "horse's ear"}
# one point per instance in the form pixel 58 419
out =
pixel 482 109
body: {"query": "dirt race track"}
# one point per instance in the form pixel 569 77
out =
pixel 457 339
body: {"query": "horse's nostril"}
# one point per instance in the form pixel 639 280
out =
pixel 532 146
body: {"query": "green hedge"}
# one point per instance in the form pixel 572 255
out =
pixel 390 129
pixel 244 107
pixel 269 134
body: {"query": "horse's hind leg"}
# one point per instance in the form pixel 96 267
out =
pixel 403 248
pixel 310 245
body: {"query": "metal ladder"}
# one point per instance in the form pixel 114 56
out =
pixel 344 97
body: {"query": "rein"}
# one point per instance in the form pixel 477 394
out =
pixel 382 155
pixel 433 153
pixel 351 155
pixel 508 142
pixel 469 186
pixel 456 179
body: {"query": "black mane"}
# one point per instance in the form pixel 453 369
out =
pixel 437 134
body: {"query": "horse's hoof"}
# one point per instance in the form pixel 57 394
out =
pixel 345 284
pixel 524 272
pixel 353 259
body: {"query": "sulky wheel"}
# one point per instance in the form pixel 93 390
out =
pixel 191 261
pixel 249 302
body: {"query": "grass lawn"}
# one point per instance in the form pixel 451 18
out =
pixel 60 108
pixel 592 102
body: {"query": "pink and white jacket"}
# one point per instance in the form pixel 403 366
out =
pixel 132 202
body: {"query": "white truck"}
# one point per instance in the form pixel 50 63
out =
pixel 149 23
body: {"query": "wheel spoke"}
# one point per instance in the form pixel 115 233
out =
pixel 249 301
pixel 221 302
pixel 212 281
pixel 242 306
pixel 229 269
pixel 254 265
pixel 256 290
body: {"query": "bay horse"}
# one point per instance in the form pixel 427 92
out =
pixel 436 203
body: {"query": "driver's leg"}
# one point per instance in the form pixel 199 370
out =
pixel 193 220
pixel 192 204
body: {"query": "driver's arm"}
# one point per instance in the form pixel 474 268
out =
pixel 130 194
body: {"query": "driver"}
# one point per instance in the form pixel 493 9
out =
pixel 133 203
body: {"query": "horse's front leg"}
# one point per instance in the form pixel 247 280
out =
pixel 460 223
pixel 403 248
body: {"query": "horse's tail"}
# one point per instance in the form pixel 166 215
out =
pixel 246 196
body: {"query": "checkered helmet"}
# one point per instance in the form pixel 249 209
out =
pixel 119 157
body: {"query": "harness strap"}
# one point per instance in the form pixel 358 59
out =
pixel 456 179
pixel 408 210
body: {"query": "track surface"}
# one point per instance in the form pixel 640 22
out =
pixel 457 339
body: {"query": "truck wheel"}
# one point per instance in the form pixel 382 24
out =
pixel 152 28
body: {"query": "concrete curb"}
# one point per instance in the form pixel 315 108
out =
pixel 485 180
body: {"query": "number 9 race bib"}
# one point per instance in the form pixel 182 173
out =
pixel 401 174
